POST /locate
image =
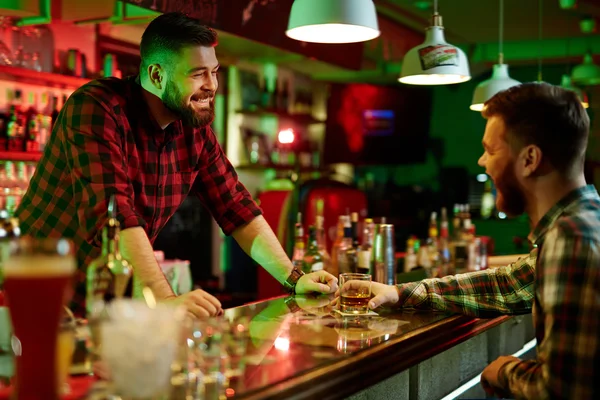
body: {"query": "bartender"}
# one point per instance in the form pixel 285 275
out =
pixel 148 141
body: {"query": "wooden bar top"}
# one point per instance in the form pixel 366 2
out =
pixel 315 352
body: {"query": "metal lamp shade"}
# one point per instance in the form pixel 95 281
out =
pixel 333 21
pixel 586 73
pixel 487 89
pixel 435 62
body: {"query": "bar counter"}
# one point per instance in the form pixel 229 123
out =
pixel 309 351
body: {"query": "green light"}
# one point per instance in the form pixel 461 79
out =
pixel 422 5
pixel 220 115
pixel 270 75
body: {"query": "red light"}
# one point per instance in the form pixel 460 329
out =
pixel 286 136
pixel 229 392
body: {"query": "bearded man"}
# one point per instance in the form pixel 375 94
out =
pixel 534 145
pixel 147 141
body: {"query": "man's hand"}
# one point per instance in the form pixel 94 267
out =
pixel 382 295
pixel 198 303
pixel 317 305
pixel 489 376
pixel 317 282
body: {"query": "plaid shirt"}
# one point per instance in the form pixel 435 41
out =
pixel 563 290
pixel 105 141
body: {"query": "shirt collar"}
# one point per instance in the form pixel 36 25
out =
pixel 161 136
pixel 573 197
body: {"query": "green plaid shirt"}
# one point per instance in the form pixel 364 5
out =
pixel 559 281
pixel 106 142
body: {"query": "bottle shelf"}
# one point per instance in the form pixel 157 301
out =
pixel 302 119
pixel 20 156
pixel 23 75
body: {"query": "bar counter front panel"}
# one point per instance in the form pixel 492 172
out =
pixel 316 353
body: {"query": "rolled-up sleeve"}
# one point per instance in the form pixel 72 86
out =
pixel 218 187
pixel 94 152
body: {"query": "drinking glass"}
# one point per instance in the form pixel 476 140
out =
pixel 209 357
pixel 37 275
pixel 355 293
pixel 65 349
pixel 139 345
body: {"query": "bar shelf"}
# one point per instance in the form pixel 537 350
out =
pixel 28 156
pixel 47 79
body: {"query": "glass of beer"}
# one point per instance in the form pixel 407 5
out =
pixel 37 276
pixel 355 293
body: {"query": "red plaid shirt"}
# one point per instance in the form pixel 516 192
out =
pixel 105 141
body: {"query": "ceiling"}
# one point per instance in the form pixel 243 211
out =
pixel 469 21
pixel 470 24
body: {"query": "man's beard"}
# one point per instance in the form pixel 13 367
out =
pixel 173 100
pixel 510 199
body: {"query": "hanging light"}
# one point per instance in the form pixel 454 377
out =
pixel 333 21
pixel 500 80
pixel 435 62
pixel 566 83
pixel 586 73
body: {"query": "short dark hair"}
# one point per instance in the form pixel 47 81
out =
pixel 547 116
pixel 169 33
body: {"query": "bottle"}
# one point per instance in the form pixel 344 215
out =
pixel 433 241
pixel 456 221
pixel 344 263
pixel 410 260
pixel 444 266
pixel 487 200
pixel 15 128
pixel 366 248
pixel 313 261
pixel 354 248
pixel 336 246
pixel 9 227
pixel 322 243
pixel 298 255
pixel 107 275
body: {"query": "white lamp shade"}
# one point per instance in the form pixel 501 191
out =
pixel 487 89
pixel 435 62
pixel 586 73
pixel 566 83
pixel 333 21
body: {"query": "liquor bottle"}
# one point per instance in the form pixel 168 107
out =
pixel 32 124
pixel 108 274
pixel 445 267
pixel 9 227
pixel 345 265
pixel 354 248
pixel 487 200
pixel 15 129
pixel 336 246
pixel 456 221
pixel 322 242
pixel 433 241
pixel 313 261
pixel 298 255
pixel 366 248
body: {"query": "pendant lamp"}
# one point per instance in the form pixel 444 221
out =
pixel 333 21
pixel 586 73
pixel 435 62
pixel 500 80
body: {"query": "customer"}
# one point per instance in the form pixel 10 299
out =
pixel 534 149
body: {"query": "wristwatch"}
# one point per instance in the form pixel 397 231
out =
pixel 290 282
pixel 290 302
